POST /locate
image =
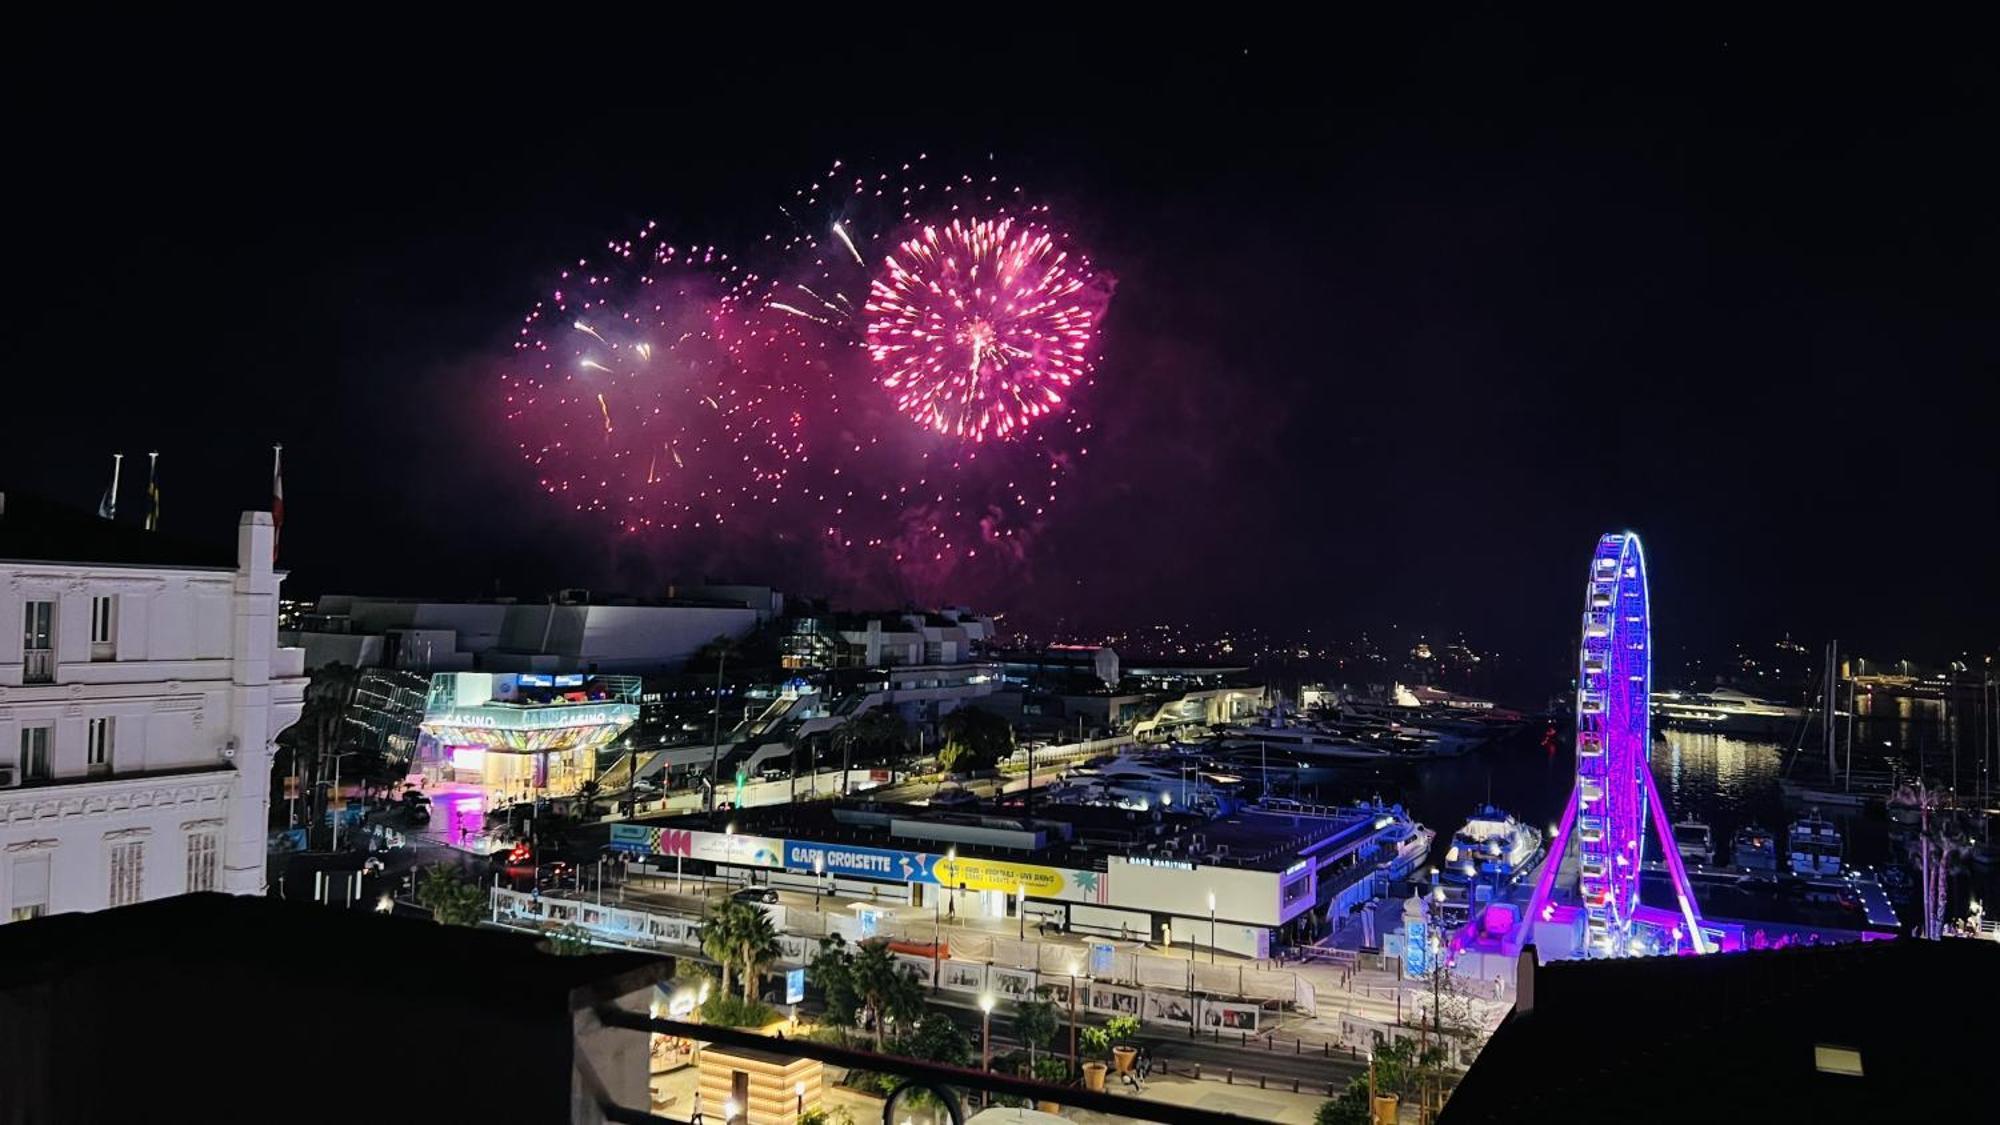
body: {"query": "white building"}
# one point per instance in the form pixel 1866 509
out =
pixel 948 636
pixel 574 634
pixel 141 686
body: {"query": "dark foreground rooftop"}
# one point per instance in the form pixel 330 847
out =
pixel 218 1008
pixel 1756 1036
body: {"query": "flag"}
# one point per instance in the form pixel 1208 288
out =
pixel 107 508
pixel 277 497
pixel 152 492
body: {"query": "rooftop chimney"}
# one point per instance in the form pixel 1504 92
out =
pixel 1524 979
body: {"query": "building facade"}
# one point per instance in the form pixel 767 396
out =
pixel 572 634
pixel 141 686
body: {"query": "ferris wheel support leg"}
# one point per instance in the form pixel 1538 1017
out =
pixel 1683 890
pixel 1551 867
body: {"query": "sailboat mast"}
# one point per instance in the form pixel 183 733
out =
pixel 1850 734
pixel 1828 697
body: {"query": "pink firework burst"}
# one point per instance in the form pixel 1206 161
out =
pixel 980 327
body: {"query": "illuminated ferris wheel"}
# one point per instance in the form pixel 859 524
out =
pixel 1614 681
pixel 1608 809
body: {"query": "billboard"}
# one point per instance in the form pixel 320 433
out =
pixel 716 847
pixel 874 863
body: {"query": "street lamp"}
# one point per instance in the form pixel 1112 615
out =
pixel 1021 907
pixel 799 1091
pixel 986 1035
pixel 1211 927
pixel 951 862
pixel 819 877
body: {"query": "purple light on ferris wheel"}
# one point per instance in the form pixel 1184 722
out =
pixel 1614 792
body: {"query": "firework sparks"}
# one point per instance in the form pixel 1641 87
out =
pixel 764 382
pixel 640 356
pixel 978 327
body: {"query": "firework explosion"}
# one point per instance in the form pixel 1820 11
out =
pixel 634 407
pixel 978 327
pixel 886 377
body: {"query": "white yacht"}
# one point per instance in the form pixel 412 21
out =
pixel 1303 742
pixel 1411 841
pixel 1493 845
pixel 1694 841
pixel 1133 781
pixel 1725 710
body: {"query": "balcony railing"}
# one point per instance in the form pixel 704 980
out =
pixel 38 666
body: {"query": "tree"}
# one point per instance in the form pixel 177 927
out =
pixel 875 733
pixel 974 739
pixel 1036 1022
pixel 1350 1108
pixel 888 988
pixel 1402 1067
pixel 832 972
pixel 719 937
pixel 586 795
pixel 308 747
pixel 452 899
pixel 570 941
pixel 756 946
pixel 936 1038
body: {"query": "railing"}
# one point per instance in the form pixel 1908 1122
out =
pixel 38 666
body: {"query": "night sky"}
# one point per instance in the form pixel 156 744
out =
pixel 1406 316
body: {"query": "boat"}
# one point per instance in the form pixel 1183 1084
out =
pixel 1838 785
pixel 1303 742
pixel 1493 845
pixel 1814 846
pixel 1725 711
pixel 1409 841
pixel 1139 782
pixel 1694 841
pixel 1754 849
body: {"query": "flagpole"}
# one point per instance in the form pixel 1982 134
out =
pixel 153 491
pixel 277 498
pixel 107 508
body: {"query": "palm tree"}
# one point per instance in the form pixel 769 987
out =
pixel 756 946
pixel 719 938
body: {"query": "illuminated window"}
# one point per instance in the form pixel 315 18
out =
pixel 1828 1059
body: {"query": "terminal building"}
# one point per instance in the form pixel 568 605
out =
pixel 1157 876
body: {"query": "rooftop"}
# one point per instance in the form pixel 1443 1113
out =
pixel 37 530
pixel 252 1008
pixel 1745 1036
pixel 1255 840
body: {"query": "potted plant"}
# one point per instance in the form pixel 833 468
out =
pixel 1097 1047
pixel 1120 1031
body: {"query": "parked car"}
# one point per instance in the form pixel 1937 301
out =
pixel 767 896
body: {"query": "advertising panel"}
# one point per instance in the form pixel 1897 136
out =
pixel 716 847
pixel 1174 1008
pixel 878 863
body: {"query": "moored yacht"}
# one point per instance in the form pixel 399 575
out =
pixel 1754 849
pixel 1725 711
pixel 1814 846
pixel 1492 845
pixel 1694 841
